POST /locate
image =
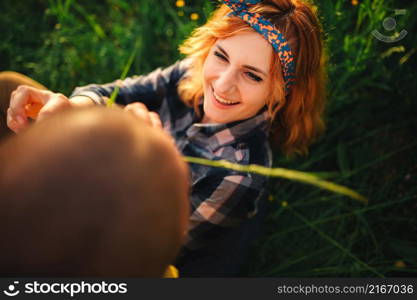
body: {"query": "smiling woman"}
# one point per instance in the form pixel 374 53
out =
pixel 253 73
pixel 235 87
pixel 295 104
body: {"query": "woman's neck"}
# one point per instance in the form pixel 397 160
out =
pixel 206 120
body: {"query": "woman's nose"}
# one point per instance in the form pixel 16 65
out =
pixel 226 82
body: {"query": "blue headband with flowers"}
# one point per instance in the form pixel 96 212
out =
pixel 270 33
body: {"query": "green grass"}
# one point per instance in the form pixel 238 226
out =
pixel 369 146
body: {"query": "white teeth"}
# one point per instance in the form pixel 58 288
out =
pixel 224 101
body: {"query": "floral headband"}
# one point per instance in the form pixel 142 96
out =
pixel 270 33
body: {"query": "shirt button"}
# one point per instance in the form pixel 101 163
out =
pixel 241 146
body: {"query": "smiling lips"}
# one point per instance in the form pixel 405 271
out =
pixel 223 101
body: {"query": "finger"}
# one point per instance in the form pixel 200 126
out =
pixel 11 122
pixel 155 120
pixel 23 95
pixel 56 103
pixel 24 101
pixel 16 115
pixel 139 111
pixel 15 122
pixel 137 105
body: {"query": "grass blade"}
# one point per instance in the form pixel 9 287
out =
pixel 124 74
pixel 280 172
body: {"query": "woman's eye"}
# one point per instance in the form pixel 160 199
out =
pixel 254 77
pixel 219 55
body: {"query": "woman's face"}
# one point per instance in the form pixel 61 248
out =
pixel 236 78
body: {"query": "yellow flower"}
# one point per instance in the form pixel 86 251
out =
pixel 181 13
pixel 180 3
pixel 399 264
pixel 284 203
pixel 355 2
pixel 271 198
pixel 194 16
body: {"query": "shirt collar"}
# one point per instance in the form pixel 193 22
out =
pixel 214 136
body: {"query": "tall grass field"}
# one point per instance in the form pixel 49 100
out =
pixel 370 144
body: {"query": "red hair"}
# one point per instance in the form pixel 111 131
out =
pixel 297 119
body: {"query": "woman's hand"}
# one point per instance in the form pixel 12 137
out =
pixel 141 111
pixel 37 104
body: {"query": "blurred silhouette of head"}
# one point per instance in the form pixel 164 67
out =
pixel 91 192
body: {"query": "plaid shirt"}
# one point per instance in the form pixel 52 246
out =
pixel 220 198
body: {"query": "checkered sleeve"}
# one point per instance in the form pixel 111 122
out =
pixel 149 89
pixel 221 202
